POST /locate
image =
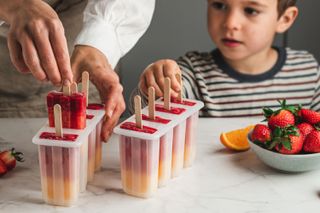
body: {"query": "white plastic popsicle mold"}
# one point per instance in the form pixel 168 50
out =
pixel 52 189
pixel 171 134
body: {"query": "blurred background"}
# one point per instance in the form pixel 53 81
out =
pixel 179 26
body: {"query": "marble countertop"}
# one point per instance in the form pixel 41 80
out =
pixel 219 181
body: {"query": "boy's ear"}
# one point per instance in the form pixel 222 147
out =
pixel 287 19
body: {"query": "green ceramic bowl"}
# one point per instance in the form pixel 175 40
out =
pixel 287 163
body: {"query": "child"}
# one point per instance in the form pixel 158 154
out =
pixel 245 72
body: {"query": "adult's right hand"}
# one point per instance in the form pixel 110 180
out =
pixel 36 40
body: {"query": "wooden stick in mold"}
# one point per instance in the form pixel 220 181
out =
pixel 85 85
pixel 137 110
pixel 58 120
pixel 66 90
pixel 166 95
pixel 74 87
pixel 151 105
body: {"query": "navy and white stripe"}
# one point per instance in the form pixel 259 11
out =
pixel 228 93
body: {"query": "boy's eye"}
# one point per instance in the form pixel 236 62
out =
pixel 219 5
pixel 251 11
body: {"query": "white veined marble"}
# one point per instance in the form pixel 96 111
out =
pixel 219 180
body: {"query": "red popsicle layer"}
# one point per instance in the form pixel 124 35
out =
pixel 183 102
pixel 132 126
pixel 173 110
pixel 53 136
pixel 156 120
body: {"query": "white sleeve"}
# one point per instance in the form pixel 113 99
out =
pixel 1 22
pixel 114 26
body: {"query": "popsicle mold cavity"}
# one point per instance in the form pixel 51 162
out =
pixel 139 166
pixel 59 171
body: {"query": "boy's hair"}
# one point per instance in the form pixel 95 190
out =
pixel 284 4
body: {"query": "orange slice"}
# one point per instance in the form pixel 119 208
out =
pixel 236 139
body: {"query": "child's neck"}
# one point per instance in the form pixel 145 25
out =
pixel 256 64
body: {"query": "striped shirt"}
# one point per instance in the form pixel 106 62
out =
pixel 228 93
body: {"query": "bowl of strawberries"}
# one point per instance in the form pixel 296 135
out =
pixel 289 140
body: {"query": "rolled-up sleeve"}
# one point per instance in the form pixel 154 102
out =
pixel 114 26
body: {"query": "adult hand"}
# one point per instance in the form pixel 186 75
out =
pixel 86 58
pixel 36 40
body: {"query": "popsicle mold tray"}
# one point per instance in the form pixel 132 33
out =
pixel 151 155
pixel 67 163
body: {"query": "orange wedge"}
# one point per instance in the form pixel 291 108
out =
pixel 236 139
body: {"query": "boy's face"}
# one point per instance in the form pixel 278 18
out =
pixel 242 28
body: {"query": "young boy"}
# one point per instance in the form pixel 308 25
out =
pixel 245 72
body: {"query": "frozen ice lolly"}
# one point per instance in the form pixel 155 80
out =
pixel 73 109
pixel 53 98
pixel 190 144
pixel 139 166
pixel 165 151
pixel 78 111
pixel 95 107
pixel 91 155
pixel 59 161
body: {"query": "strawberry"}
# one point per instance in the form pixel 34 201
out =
pixel 9 158
pixel 312 142
pixel 282 117
pixel 288 140
pixel 305 128
pixel 309 116
pixel 296 144
pixel 3 168
pixel 261 133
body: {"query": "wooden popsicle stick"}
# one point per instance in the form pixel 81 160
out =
pixel 137 110
pixel 166 95
pixel 179 78
pixel 74 87
pixel 151 105
pixel 66 90
pixel 85 85
pixel 58 120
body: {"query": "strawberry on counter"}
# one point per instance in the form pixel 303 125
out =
pixel 3 168
pixel 8 160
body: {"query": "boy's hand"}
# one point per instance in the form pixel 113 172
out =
pixel 154 75
pixel 36 40
pixel 86 58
